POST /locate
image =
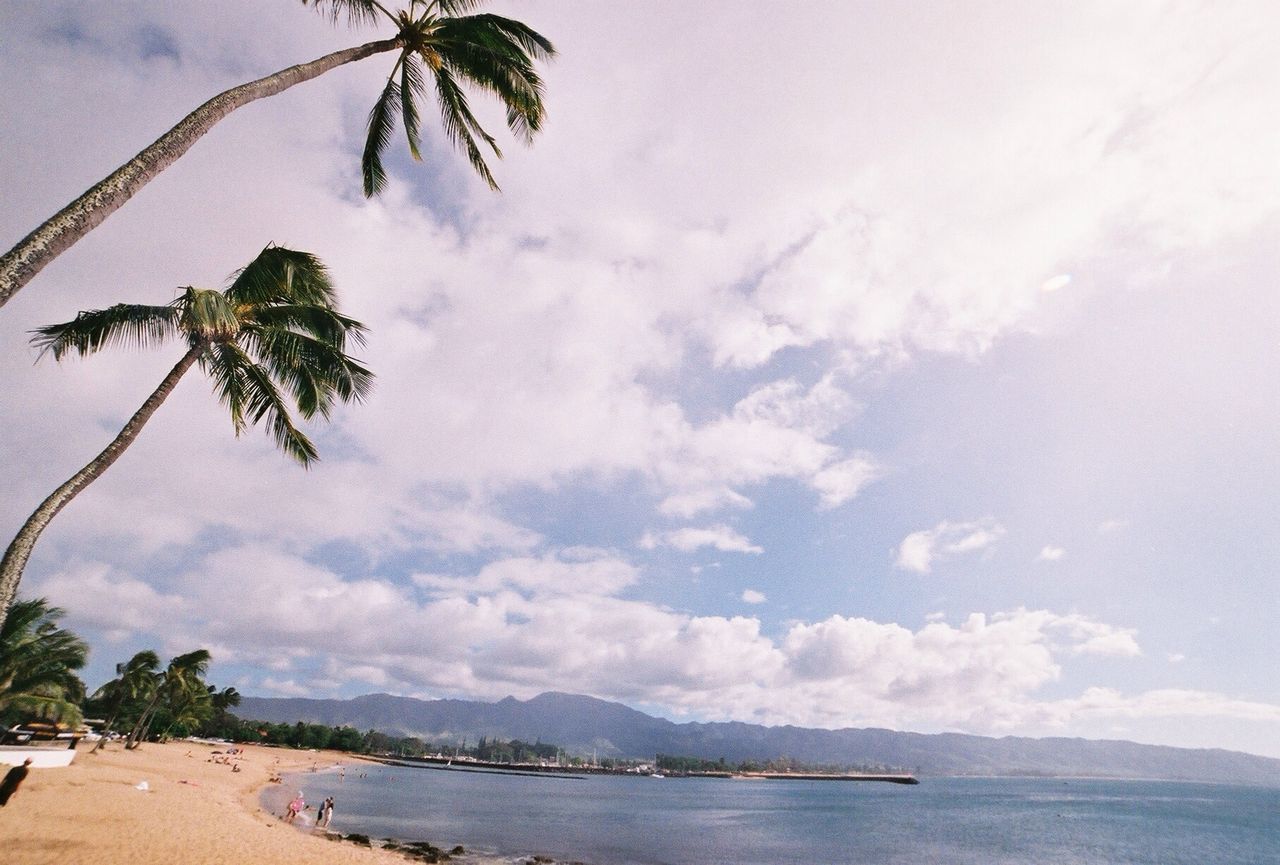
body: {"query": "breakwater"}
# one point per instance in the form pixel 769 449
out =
pixel 470 765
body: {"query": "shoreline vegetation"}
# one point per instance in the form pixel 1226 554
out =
pixel 468 764
pixel 515 756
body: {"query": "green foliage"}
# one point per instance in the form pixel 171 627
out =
pixel 453 51
pixel 274 331
pixel 351 740
pixel 676 765
pixel 38 664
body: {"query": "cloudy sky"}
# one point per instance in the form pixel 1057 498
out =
pixel 907 365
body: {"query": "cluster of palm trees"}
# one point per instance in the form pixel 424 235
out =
pixel 274 338
pixel 173 698
pixel 39 660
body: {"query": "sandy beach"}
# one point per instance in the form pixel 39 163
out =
pixel 194 812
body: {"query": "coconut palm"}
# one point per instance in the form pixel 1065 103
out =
pixel 275 328
pixel 435 42
pixel 227 698
pixel 135 681
pixel 188 703
pixel 38 663
pixel 179 684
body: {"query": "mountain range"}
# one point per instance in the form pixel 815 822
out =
pixel 586 725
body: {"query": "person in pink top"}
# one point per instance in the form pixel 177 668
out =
pixel 295 808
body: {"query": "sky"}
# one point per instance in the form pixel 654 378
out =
pixel 876 364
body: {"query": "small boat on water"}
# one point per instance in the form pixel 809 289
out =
pixel 47 746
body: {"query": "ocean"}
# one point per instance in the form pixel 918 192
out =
pixel 609 820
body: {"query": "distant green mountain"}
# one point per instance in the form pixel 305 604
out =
pixel 585 725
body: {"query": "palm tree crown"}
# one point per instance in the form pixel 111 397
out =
pixel 275 327
pixel 38 663
pixel 274 332
pixel 493 54
pixel 434 39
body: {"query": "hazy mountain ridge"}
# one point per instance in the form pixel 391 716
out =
pixel 585 724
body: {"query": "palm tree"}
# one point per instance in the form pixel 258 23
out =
pixel 188 703
pixel 227 698
pixel 275 328
pixel 490 53
pixel 135 680
pixel 183 678
pixel 38 661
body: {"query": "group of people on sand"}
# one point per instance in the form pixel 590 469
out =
pixel 324 813
pixel 231 757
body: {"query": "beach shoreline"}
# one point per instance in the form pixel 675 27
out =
pixel 98 811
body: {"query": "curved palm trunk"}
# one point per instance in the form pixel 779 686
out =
pixel 143 725
pixel 19 551
pixel 102 740
pixel 110 726
pixel 19 265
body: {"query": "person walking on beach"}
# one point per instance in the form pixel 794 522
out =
pixel 12 779
pixel 326 813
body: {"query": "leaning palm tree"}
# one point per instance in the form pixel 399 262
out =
pixel 492 54
pixel 275 328
pixel 38 663
pixel 183 678
pixel 134 682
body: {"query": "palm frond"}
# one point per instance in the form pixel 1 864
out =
pixel 461 126
pixel 456 7
pixel 357 12
pixel 281 275
pixel 38 660
pixel 264 401
pixel 493 53
pixel 224 363
pixel 322 322
pixel 191 664
pixel 519 39
pixel 382 118
pixel 412 88
pixel 314 371
pixel 125 324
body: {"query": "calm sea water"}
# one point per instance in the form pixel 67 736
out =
pixel 649 821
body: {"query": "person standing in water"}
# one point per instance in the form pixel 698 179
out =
pixel 12 779
pixel 295 808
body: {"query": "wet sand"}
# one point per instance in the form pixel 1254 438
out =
pixel 194 812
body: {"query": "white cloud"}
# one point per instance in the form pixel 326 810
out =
pixel 699 347
pixel 284 687
pixel 575 571
pixel 839 482
pixel 1050 554
pixel 1056 283
pixel 920 550
pixel 1171 703
pixel 751 596
pixel 693 502
pixel 529 625
pixel 778 430
pixel 690 540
